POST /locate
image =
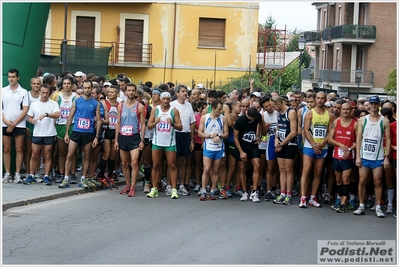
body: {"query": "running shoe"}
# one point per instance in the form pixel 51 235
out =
pixel 73 179
pixel 153 193
pixel 254 197
pixel 197 188
pixel 140 175
pixel 239 193
pixel 212 195
pixel 341 208
pixel 132 192
pixel 268 196
pixel 183 191
pixel 372 208
pixel 168 190
pixel 244 196
pixel 83 183
pixel 30 180
pixel 38 179
pixel 287 201
pixel 146 188
pixel 336 204
pixel 174 194
pixel 228 193
pixel 295 192
pixel 125 190
pixel 64 184
pixel 202 195
pixel 17 178
pixel 379 213
pixel 273 194
pixel 352 204
pixel 279 199
pixel 46 180
pixel 59 178
pixel 90 182
pixel 223 194
pixel 105 183
pixel 314 202
pixel 359 211
pixel 302 202
pixel 191 183
pixel 79 168
pixel 327 199
pixel 389 210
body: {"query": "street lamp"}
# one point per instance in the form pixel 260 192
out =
pixel 319 83
pixel 301 47
pixel 359 74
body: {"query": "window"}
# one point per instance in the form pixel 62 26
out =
pixel 211 32
pixel 134 40
pixel 85 28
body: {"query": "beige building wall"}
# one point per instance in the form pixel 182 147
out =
pixel 172 29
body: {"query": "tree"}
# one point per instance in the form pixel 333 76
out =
pixel 293 46
pixel 390 87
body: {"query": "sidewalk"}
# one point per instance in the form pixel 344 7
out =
pixel 16 195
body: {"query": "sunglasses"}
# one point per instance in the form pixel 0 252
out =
pixel 101 98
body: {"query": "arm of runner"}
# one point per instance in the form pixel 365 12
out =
pixel 293 127
pixel 359 141
pixel 152 121
pixel 117 127
pixel 69 121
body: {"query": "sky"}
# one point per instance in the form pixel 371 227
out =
pixel 293 14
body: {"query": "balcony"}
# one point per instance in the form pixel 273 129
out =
pixel 350 34
pixel 312 37
pixel 343 77
pixel 121 54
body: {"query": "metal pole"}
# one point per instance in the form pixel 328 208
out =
pixel 300 70
pixel 358 81
pixel 164 66
pixel 64 41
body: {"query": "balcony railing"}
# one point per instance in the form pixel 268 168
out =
pixel 354 31
pixel 121 53
pixel 326 34
pixel 338 76
pixel 312 36
pixel 350 31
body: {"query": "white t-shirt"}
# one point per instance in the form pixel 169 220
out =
pixel 45 127
pixel 186 115
pixel 13 102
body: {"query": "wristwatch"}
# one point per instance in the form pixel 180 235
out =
pixel 46 114
pixel 349 149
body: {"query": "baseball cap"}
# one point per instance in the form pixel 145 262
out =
pixel 107 84
pixel 257 94
pixel 201 86
pixel 79 74
pixel 374 99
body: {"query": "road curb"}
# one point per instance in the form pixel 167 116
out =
pixel 75 191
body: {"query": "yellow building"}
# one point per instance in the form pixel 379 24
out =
pixel 184 42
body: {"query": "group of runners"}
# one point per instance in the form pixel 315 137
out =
pixel 246 144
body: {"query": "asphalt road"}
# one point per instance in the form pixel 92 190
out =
pixel 112 229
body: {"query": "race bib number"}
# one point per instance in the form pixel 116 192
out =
pixel 319 132
pixel 369 147
pixel 249 137
pixel 163 126
pixel 113 120
pixel 84 123
pixel 65 112
pixel 127 130
pixel 281 135
pixel 340 153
